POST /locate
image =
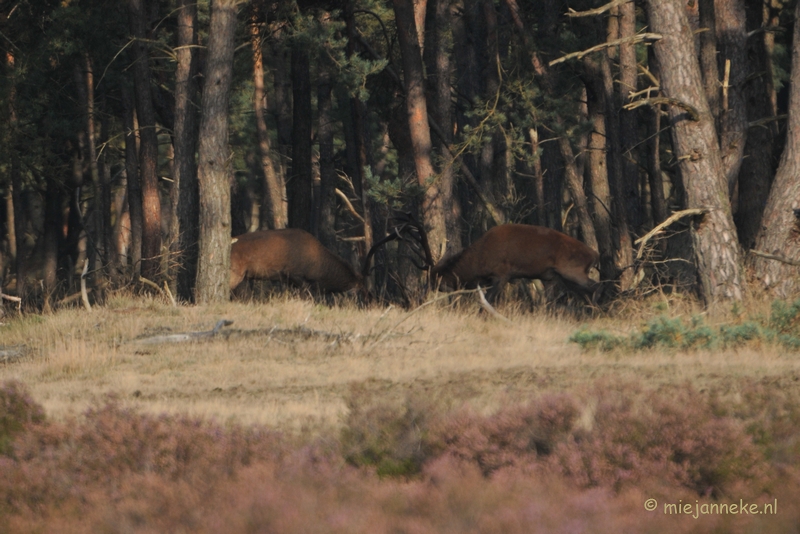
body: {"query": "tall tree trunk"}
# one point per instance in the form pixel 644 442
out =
pixel 213 269
pixel 780 227
pixel 417 109
pixel 657 200
pixel 273 204
pixel 133 181
pixel 732 42
pixel 326 219
pixel 53 211
pixel 628 118
pixel 695 146
pixel 758 165
pixel 575 185
pixel 623 246
pixel 281 70
pixel 299 186
pixel 437 59
pixel 20 219
pixel 356 134
pixel 148 150
pixel 597 166
pixel 84 82
pixel 185 211
pixel 709 67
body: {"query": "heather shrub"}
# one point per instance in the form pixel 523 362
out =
pixel 17 410
pixel 390 438
pixel 672 436
pixel 514 435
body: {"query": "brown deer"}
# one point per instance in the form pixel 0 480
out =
pixel 512 251
pixel 291 254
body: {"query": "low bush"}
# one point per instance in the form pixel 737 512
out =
pixel 563 462
pixel 781 327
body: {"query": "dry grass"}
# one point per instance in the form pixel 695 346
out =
pixel 274 365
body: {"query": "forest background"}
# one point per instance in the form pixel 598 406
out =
pixel 600 121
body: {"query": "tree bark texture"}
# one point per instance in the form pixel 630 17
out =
pixel 732 123
pixel 273 205
pixel 417 109
pixel 696 149
pixel 133 181
pixel 299 186
pixel 780 227
pixel 623 245
pixel 185 214
pixel 657 200
pixel 148 149
pixel 759 163
pixel 709 67
pixel 213 269
pixel 437 60
pixel 597 166
pixel 326 218
pixel 628 119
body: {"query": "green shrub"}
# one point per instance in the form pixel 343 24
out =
pixel 782 327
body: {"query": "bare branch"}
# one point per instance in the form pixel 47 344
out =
pixel 638 38
pixel 693 113
pixel 775 257
pixel 668 221
pixel 348 204
pixel 597 10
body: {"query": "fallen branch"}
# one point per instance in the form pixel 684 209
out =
pixel 72 298
pixel 188 336
pixel 388 331
pixel 12 354
pixel 668 221
pixel 167 295
pixel 775 257
pixel 18 300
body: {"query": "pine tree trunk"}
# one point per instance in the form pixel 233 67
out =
pixel 185 212
pixel 732 41
pixel 758 165
pixel 780 227
pixel 299 185
pixel 597 166
pixel 657 200
pixel 709 67
pixel 417 109
pixel 623 245
pixel 214 172
pixel 696 149
pixel 327 170
pixel 437 60
pixel 273 204
pixel 148 149
pixel 628 119
pixel 133 181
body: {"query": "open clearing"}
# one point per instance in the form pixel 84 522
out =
pixel 291 363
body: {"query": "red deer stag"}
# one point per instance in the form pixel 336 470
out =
pixel 512 251
pixel 291 254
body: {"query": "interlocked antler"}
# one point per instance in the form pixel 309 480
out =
pixel 408 229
